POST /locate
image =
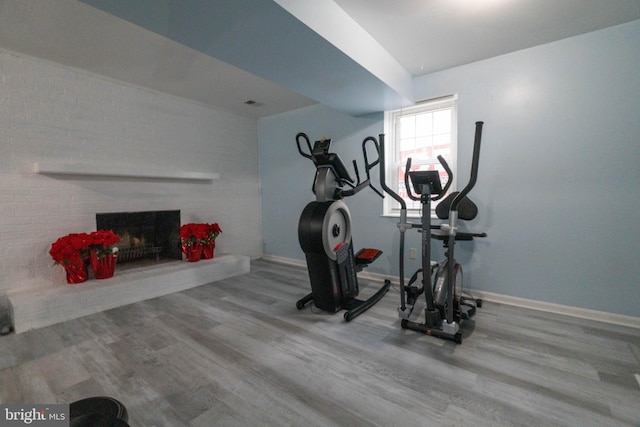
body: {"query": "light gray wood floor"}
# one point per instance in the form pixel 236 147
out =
pixel 239 353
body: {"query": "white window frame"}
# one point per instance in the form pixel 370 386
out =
pixel 392 146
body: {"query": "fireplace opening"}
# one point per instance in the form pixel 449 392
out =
pixel 145 237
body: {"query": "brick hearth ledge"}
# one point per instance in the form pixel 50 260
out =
pixel 37 308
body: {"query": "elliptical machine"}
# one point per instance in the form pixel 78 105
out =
pixel 324 232
pixel 446 307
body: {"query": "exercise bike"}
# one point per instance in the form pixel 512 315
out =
pixel 446 306
pixel 324 231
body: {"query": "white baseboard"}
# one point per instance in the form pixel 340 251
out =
pixel 578 312
pixel 549 307
pixel 283 260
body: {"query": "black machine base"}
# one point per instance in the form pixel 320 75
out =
pixel 354 307
pixel 433 331
pixel 334 284
pixel 436 326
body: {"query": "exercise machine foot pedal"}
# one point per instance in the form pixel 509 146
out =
pixel 366 256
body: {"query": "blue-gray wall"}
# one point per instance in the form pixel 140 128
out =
pixel 558 189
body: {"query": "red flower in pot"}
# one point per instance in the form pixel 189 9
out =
pixel 191 237
pixel 197 240
pixel 209 244
pixel 72 252
pixel 102 253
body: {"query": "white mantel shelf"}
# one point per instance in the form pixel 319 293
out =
pixel 37 308
pixel 100 170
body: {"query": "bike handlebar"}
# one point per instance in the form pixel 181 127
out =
pixel 383 180
pixel 474 168
pixel 442 193
pixel 407 185
pixel 355 188
pixel 368 166
pixel 371 165
pixel 447 169
pixel 306 138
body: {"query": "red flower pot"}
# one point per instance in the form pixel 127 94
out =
pixel 193 251
pixel 104 267
pixel 76 273
pixel 208 249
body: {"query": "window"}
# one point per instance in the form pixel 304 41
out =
pixel 422 132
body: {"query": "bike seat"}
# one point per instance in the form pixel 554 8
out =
pixel 467 210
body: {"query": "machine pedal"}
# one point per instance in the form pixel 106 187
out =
pixel 366 256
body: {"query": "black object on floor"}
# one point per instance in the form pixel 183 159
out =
pixel 98 412
pixel 5 329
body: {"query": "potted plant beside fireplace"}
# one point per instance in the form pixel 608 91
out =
pixel 191 238
pixel 102 253
pixel 72 252
pixel 209 243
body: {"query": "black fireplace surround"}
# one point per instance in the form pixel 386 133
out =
pixel 144 235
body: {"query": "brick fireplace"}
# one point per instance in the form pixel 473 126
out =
pixel 63 165
pixel 144 236
pixel 149 239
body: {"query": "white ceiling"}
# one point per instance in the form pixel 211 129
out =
pixel 357 56
pixel 433 35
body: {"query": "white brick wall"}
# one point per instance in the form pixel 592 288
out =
pixel 55 113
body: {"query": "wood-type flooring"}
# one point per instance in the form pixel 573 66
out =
pixel 238 353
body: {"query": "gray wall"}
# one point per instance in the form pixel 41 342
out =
pixel 558 185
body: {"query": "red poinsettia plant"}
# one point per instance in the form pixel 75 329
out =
pixel 74 248
pixel 198 233
pixel 213 231
pixel 102 242
pixel 193 233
